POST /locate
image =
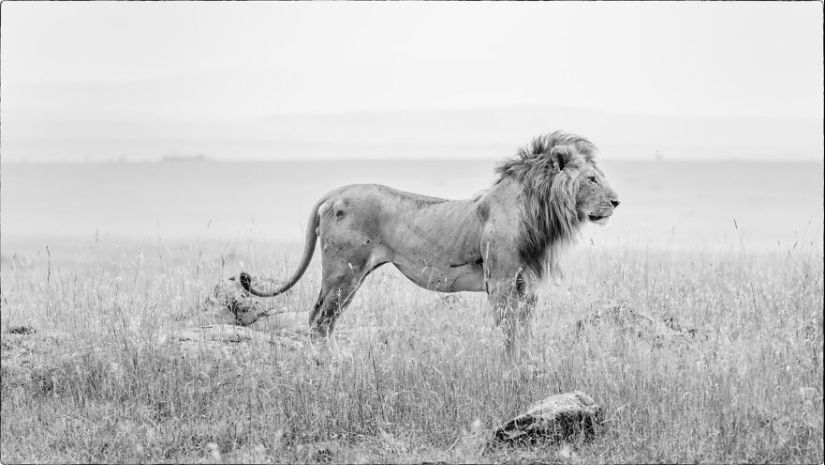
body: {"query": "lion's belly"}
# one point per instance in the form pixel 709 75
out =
pixel 442 277
pixel 437 246
pixel 433 242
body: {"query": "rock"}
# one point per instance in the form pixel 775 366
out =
pixel 319 452
pixel 26 329
pixel 562 417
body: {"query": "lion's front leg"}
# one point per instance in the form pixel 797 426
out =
pixel 513 303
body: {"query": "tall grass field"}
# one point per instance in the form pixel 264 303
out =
pixel 97 278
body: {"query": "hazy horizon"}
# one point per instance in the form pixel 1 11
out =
pixel 187 160
pixel 678 205
pixel 413 134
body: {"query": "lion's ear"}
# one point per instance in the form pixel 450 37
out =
pixel 559 156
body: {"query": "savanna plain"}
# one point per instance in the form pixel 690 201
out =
pixel 95 281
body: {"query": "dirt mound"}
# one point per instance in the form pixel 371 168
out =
pixel 28 358
pixel 636 324
pixel 231 339
pixel 229 299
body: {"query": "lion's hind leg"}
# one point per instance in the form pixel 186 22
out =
pixel 341 281
pixel 337 292
pixel 350 250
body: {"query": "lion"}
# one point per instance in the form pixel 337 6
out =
pixel 501 242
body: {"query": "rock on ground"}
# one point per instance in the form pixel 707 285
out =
pixel 561 417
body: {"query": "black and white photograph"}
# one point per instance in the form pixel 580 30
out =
pixel 411 232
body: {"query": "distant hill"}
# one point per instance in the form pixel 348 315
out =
pixel 144 121
pixel 631 136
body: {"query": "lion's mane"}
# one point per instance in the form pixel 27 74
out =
pixel 549 219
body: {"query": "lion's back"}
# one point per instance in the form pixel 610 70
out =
pixel 368 200
pixel 396 216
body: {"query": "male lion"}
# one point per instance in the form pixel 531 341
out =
pixel 501 242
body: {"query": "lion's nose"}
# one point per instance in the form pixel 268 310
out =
pixel 615 203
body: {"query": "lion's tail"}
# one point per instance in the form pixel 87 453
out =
pixel 309 250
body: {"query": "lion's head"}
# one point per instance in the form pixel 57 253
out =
pixel 595 200
pixel 562 188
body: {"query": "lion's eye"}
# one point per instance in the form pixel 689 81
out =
pixel 592 179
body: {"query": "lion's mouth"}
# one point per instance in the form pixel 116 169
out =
pixel 597 218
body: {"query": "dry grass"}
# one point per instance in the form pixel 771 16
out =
pixel 743 384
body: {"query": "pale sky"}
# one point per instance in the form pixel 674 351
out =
pixel 679 58
pixel 205 61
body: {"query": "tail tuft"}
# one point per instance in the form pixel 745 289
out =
pixel 246 280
